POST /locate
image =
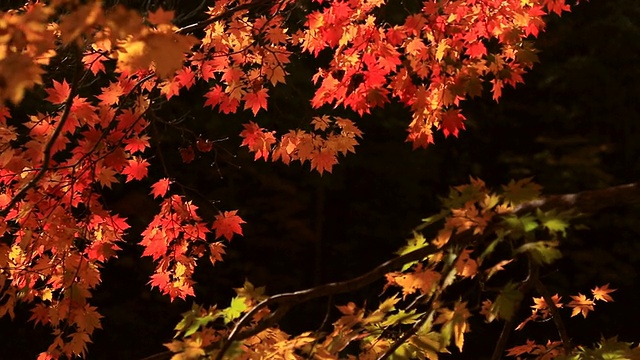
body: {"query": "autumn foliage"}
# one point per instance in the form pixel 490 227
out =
pixel 81 138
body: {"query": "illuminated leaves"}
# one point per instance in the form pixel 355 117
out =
pixel 452 123
pixel 171 239
pixel 256 101
pixel 257 140
pixel 581 305
pixel 454 323
pixel 424 280
pixel 136 169
pixel 602 293
pixel 160 188
pixel 333 136
pixel 227 223
pixel 59 93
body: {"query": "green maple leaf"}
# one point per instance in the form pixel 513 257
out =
pixel 237 307
pixel 506 302
pixel 523 190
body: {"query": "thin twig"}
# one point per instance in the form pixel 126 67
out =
pixel 204 23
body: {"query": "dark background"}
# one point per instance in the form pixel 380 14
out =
pixel 573 126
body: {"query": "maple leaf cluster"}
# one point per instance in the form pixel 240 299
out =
pixel 332 137
pixel 177 237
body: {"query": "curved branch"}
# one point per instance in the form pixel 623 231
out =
pixel 583 202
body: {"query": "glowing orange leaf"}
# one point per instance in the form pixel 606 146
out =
pixel 227 223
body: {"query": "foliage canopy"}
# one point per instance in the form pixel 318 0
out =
pixel 83 83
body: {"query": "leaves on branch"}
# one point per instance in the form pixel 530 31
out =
pixel 87 137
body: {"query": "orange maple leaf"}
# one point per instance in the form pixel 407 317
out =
pixel 111 94
pixel 528 348
pixel 581 305
pixel 186 77
pixel 106 176
pixel 170 88
pixel 160 188
pixel 602 293
pixel 94 61
pixel 227 223
pixel 216 250
pixel 59 93
pixel 323 160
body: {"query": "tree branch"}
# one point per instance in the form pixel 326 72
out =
pixel 583 203
pixel 555 314
pixel 586 202
pixel 22 193
pixel 204 23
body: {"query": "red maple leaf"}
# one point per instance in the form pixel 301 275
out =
pixel 136 144
pixel 227 223
pixel 214 96
pixel 59 93
pixel 136 168
pixel 257 140
pixel 256 101
pixel 94 61
pixel 187 154
pixel 476 50
pixel 204 145
pixel 452 122
pixel 160 188
pixel 186 77
pixel 160 280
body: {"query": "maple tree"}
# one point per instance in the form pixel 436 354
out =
pixel 99 74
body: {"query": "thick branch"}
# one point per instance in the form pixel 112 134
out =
pixel 587 202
